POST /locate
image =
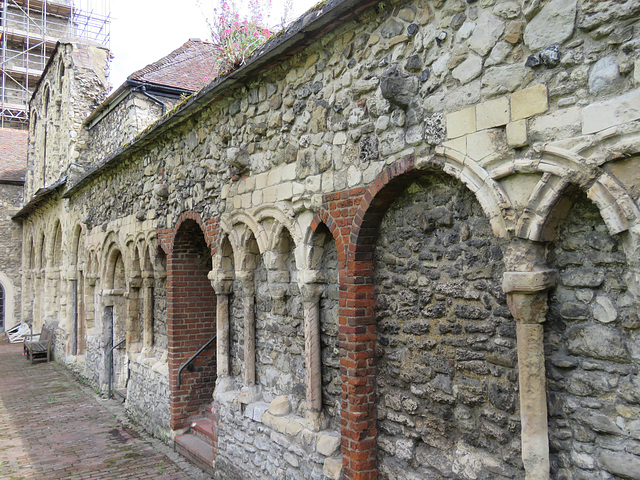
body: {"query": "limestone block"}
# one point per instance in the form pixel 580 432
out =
pixel 486 34
pixel 328 444
pixel 293 427
pixel 285 191
pixel 528 102
pixel 458 144
pixel 270 195
pixel 469 69
pixel 483 143
pixel 274 176
pixel 615 111
pixel 259 409
pixel 261 181
pixel 332 468
pixel 566 122
pixel 289 172
pixel 279 424
pixel 461 122
pixel 517 134
pixel 553 24
pixel 280 406
pixel 636 71
pixel 493 113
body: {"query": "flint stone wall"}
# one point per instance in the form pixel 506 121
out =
pixel 447 381
pixel 10 250
pixel 477 82
pixel 593 362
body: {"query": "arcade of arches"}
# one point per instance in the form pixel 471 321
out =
pixel 397 257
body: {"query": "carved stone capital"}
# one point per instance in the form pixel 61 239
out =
pixel 221 282
pixel 528 282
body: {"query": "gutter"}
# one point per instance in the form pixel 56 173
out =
pixel 11 181
pixel 315 23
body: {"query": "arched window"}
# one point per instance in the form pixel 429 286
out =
pixel 1 308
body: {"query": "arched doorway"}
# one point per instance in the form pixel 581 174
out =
pixel 191 324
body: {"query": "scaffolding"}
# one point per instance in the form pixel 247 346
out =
pixel 29 30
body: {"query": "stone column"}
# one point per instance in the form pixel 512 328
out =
pixel 527 299
pixel 249 327
pixel 223 286
pixel 311 293
pixel 147 308
pixel 132 325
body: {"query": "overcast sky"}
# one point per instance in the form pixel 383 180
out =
pixel 143 31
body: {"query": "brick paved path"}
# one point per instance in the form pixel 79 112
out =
pixel 51 427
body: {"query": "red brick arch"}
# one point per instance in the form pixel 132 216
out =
pixel 353 218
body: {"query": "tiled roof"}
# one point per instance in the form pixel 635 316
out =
pixel 13 154
pixel 189 67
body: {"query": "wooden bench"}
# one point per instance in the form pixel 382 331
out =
pixel 40 349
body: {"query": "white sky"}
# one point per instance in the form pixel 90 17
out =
pixel 143 31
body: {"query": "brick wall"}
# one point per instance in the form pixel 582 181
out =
pixel 191 323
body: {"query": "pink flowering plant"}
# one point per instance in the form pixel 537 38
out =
pixel 235 37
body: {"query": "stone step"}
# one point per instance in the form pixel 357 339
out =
pixel 202 429
pixel 119 394
pixel 196 450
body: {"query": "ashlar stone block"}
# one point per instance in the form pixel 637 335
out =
pixel 615 111
pixel 328 444
pixel 529 102
pixel 517 134
pixel 332 468
pixel 461 122
pixel 493 113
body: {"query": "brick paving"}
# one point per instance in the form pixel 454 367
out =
pixel 53 427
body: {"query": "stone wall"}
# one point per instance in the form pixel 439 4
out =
pixel 592 353
pixel 74 84
pixel 378 202
pixel 447 378
pixel 109 133
pixel 10 252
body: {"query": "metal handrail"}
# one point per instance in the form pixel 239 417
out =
pixel 111 362
pixel 211 340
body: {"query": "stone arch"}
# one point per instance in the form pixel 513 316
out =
pixel 78 300
pixel 191 320
pixel 492 198
pixel 194 217
pixel 561 168
pixel 358 323
pixel 7 302
pixel 114 314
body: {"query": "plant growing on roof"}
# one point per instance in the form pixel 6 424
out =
pixel 236 36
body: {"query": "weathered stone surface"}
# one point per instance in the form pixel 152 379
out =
pixel 468 69
pixel 488 30
pixel 328 444
pixel 397 88
pixel 604 76
pixel 355 119
pixel 619 463
pixel 280 406
pixel 553 24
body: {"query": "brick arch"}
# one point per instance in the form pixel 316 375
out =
pixel 167 237
pixel 191 318
pixel 356 216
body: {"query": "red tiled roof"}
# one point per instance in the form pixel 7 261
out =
pixel 189 67
pixel 13 153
